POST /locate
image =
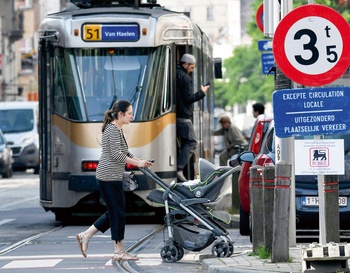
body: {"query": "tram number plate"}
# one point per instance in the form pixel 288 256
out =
pixel 92 33
pixel 313 201
pixel 111 33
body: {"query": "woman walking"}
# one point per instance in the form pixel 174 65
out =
pixel 109 174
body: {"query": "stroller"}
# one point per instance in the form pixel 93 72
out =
pixel 191 221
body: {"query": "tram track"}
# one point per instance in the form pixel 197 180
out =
pixel 26 241
pixel 131 266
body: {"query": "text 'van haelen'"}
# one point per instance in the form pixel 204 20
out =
pixel 119 33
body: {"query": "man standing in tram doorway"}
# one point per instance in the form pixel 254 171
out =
pixel 185 97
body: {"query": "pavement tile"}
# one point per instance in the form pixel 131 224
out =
pixel 243 262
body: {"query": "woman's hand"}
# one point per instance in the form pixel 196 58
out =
pixel 144 163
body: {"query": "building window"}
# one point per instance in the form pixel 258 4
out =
pixel 187 11
pixel 28 54
pixel 210 13
pixel 24 4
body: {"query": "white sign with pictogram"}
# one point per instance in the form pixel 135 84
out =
pixel 310 45
pixel 313 157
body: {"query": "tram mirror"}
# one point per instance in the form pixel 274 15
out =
pixel 218 68
pixel 119 63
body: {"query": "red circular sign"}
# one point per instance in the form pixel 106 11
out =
pixel 259 18
pixel 309 45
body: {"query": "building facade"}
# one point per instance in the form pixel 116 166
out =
pixel 11 30
pixel 20 20
pixel 223 21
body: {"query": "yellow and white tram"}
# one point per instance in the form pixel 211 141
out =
pixel 94 53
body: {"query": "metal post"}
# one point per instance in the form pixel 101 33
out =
pixel 285 146
pixel 321 205
pixel 331 198
pixel 285 152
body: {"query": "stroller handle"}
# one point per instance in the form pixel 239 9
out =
pixel 153 176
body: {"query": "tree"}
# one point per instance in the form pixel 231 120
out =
pixel 243 78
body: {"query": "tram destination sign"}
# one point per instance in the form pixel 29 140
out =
pixel 314 111
pixel 111 32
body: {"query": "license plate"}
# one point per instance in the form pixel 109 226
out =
pixel 313 201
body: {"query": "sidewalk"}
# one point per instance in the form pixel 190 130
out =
pixel 243 262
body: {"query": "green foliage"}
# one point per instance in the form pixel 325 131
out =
pixel 243 78
pixel 263 252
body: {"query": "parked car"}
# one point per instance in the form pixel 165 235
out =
pixel 5 157
pixel 259 129
pixel 306 186
pixel 19 123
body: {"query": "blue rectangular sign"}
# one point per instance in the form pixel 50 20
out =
pixel 265 45
pixel 313 111
pixel 267 61
pixel 120 33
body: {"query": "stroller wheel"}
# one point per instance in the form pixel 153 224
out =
pixel 231 248
pixel 170 254
pixel 180 250
pixel 222 249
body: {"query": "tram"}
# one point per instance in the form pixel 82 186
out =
pixel 90 55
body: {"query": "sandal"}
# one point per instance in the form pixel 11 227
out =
pixel 83 242
pixel 119 256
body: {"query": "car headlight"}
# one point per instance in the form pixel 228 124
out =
pixel 26 141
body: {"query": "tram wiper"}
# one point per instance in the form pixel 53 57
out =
pixel 113 101
pixel 138 88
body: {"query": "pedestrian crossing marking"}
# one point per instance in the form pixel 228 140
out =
pixel 32 263
pixel 6 221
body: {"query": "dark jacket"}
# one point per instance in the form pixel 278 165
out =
pixel 185 96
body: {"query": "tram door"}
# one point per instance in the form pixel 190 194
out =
pixel 45 121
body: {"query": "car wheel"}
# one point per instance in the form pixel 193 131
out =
pixel 243 222
pixel 36 170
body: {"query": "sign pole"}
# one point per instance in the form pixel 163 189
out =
pixel 308 53
pixel 321 210
pixel 285 146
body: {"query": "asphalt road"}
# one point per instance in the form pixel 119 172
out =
pixel 32 241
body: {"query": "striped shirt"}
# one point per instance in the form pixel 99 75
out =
pixel 114 152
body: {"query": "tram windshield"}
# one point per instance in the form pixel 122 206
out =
pixel 88 81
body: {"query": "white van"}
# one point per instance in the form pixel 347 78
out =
pixel 19 123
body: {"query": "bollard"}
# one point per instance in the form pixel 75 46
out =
pixel 280 241
pixel 256 207
pixel 331 199
pixel 268 178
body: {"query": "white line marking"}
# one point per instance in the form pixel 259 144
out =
pixel 6 221
pixel 15 203
pixel 57 256
pixel 32 263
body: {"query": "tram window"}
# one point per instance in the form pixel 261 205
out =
pixel 99 78
pixel 67 99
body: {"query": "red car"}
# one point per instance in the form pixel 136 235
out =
pixel 260 128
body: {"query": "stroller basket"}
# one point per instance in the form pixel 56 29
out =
pixel 192 237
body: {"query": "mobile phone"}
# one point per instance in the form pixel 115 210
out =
pixel 208 83
pixel 151 160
